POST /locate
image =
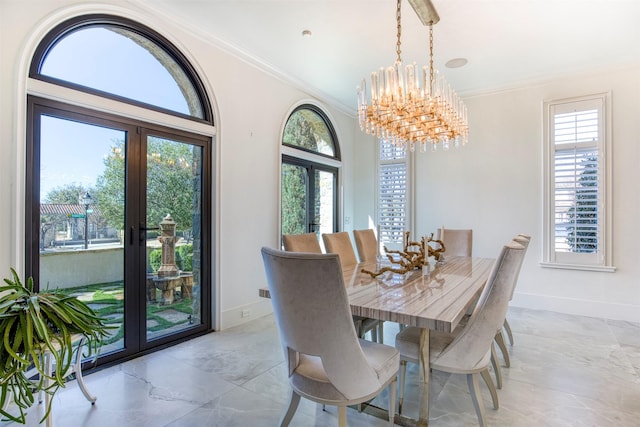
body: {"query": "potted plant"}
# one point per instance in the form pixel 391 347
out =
pixel 32 324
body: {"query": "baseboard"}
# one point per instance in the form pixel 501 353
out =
pixel 245 313
pixel 600 309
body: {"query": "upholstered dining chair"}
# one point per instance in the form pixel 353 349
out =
pixel 499 338
pixel 457 242
pixel 326 362
pixel 307 242
pixel 366 244
pixel 524 240
pixel 340 243
pixel 468 349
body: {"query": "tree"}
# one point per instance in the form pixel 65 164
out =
pixel 109 191
pixel 294 203
pixel 54 222
pixel 582 231
pixel 67 194
pixel 170 183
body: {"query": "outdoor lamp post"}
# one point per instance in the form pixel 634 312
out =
pixel 86 200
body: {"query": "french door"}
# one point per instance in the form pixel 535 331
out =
pixel 309 197
pixel 117 214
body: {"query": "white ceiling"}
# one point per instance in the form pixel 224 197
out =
pixel 507 42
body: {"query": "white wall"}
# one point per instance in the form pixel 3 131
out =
pixel 494 185
pixel 251 107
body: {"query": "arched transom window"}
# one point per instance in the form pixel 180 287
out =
pixel 116 58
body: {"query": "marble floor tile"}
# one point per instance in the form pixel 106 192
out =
pixel 565 371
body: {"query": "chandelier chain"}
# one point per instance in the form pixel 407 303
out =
pixel 430 56
pixel 399 22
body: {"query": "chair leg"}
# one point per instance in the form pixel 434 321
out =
pixel 503 348
pixel 492 388
pixel 358 324
pixel 342 416
pixel 474 389
pixel 496 366
pixel 293 405
pixel 402 372
pixel 507 328
pixel 392 402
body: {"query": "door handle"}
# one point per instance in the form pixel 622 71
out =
pixel 142 236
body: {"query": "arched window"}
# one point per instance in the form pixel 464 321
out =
pixel 310 164
pixel 120 135
pixel 121 59
pixel 309 129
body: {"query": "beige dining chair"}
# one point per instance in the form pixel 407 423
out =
pixel 366 244
pixel 326 361
pixel 307 242
pixel 340 243
pixel 524 240
pixel 468 350
pixel 368 251
pixel 457 242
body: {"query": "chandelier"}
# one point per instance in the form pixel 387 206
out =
pixel 405 109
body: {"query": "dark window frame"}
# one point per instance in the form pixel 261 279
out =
pixel 97 20
pixel 311 167
pixel 328 124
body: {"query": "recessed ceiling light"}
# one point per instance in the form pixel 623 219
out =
pixel 306 33
pixel 456 63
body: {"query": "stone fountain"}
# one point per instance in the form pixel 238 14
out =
pixel 168 277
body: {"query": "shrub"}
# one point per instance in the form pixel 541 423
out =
pixel 155 259
pixel 185 254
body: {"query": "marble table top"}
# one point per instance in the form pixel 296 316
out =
pixel 435 301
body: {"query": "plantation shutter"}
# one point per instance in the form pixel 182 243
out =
pixel 392 193
pixel 576 134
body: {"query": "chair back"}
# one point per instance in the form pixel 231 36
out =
pixel 307 242
pixel 457 242
pixel 340 243
pixel 366 244
pixel 470 349
pixel 524 240
pixel 313 315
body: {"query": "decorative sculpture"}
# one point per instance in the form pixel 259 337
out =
pixel 413 256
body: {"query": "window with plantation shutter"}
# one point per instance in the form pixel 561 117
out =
pixel 392 193
pixel 576 193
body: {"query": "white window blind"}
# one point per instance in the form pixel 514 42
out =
pixel 392 193
pixel 576 201
pixel 575 192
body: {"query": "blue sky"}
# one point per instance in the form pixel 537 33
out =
pixel 73 152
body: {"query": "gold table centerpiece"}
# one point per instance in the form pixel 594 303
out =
pixel 414 255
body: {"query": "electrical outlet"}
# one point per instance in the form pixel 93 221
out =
pixel 246 313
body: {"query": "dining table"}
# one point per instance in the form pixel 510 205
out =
pixel 435 298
